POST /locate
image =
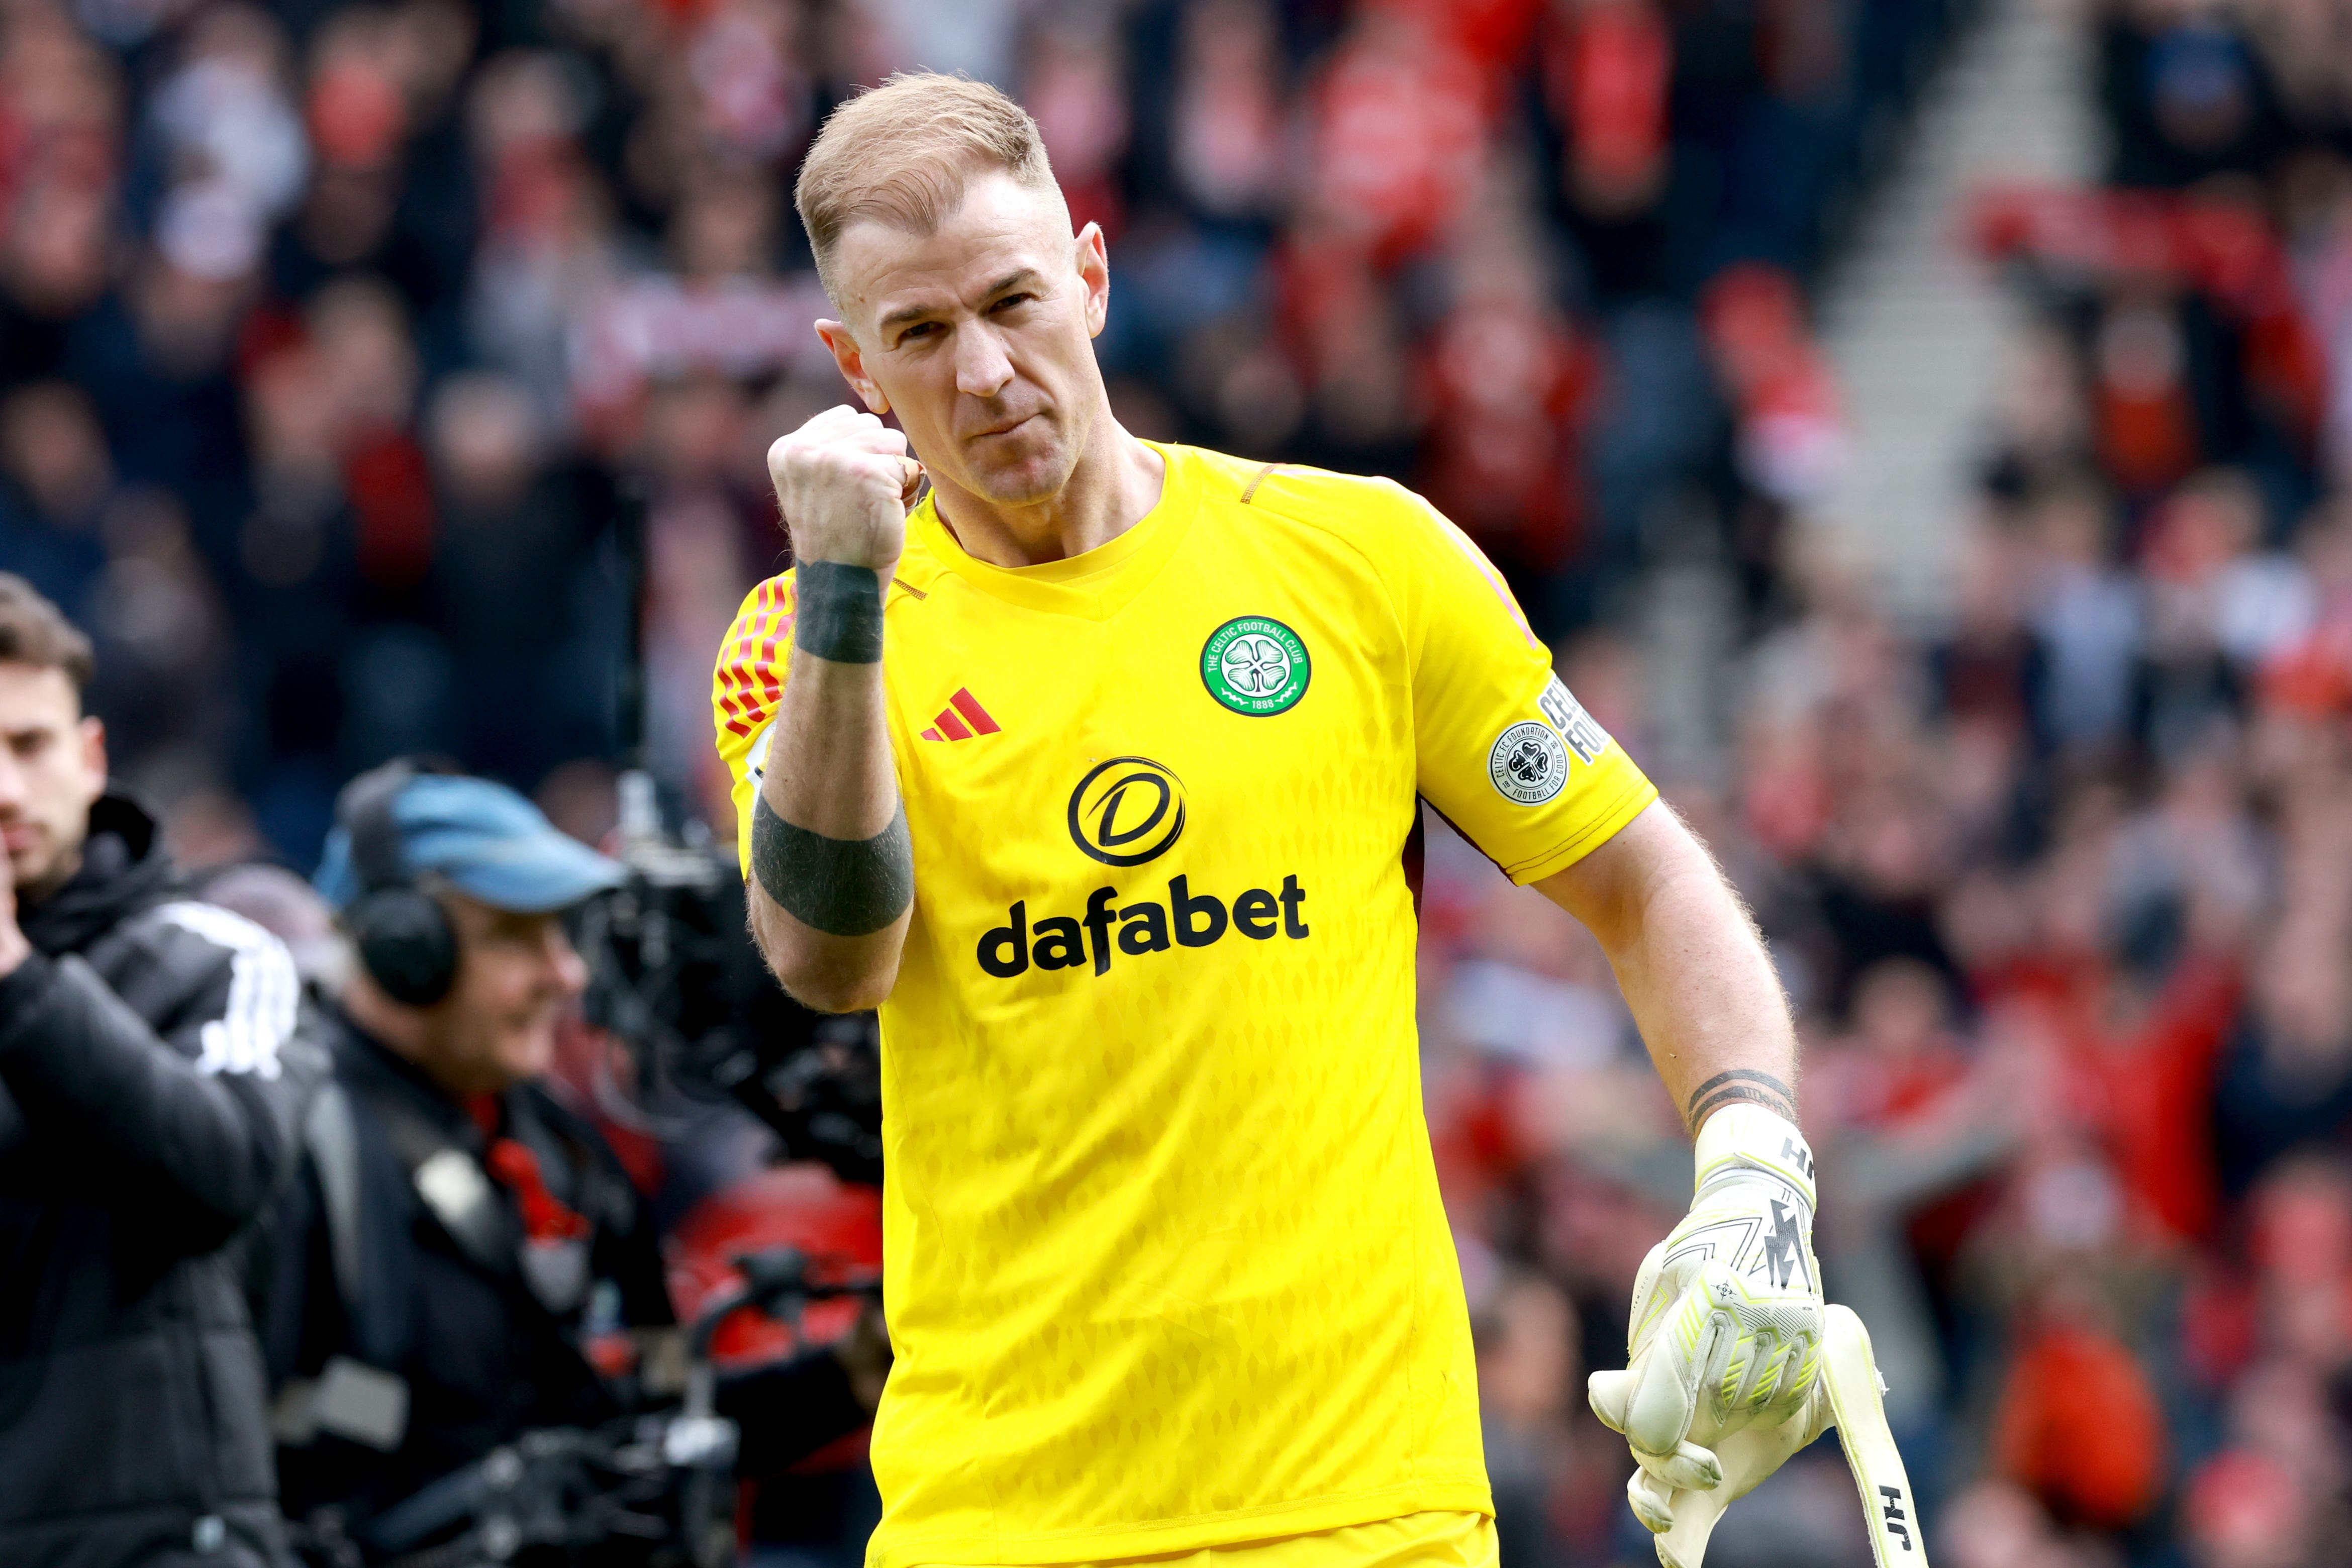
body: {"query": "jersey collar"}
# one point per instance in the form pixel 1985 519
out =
pixel 1097 584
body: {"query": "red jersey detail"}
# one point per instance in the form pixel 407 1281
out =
pixel 965 703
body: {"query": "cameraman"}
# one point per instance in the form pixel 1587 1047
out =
pixel 151 1086
pixel 461 1252
pixel 458 1243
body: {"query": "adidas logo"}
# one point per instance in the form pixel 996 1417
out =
pixel 962 718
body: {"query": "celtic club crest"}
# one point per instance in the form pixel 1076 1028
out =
pixel 1256 665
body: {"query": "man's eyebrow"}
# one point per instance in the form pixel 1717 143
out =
pixel 911 314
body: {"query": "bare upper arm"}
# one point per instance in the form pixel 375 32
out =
pixel 1609 889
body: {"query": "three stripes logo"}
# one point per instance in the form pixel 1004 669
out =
pixel 962 720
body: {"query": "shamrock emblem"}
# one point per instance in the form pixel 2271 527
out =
pixel 1255 664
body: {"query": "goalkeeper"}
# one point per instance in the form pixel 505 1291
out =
pixel 1099 771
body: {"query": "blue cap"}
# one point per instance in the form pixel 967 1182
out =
pixel 483 839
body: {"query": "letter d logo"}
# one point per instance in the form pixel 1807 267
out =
pixel 1004 950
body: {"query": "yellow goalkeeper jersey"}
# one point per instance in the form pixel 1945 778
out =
pixel 1164 1258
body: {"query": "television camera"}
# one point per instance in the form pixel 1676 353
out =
pixel 675 976
pixel 647 1491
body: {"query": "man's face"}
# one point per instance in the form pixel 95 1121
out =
pixel 516 974
pixel 52 767
pixel 979 337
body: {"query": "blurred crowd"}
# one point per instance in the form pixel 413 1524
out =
pixel 2061 887
pixel 344 346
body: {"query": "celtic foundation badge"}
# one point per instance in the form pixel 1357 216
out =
pixel 1254 665
pixel 1529 763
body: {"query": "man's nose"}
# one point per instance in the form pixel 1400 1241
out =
pixel 565 968
pixel 983 367
pixel 12 782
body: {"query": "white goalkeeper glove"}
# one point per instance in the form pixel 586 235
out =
pixel 1723 1349
pixel 1846 1395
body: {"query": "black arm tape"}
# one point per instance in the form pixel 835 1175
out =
pixel 839 612
pixel 842 887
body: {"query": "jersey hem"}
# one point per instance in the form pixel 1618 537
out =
pixel 1448 1494
pixel 1595 834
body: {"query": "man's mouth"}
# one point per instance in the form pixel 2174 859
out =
pixel 18 837
pixel 1005 429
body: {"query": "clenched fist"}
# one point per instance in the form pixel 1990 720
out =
pixel 843 481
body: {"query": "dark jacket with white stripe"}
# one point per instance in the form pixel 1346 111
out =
pixel 151 1079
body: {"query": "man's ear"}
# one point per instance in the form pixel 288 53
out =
pixel 1094 274
pixel 93 752
pixel 852 360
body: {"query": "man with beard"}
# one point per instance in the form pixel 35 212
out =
pixel 151 1086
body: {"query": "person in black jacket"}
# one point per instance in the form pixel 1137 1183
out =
pixel 458 1245
pixel 461 1258
pixel 152 1081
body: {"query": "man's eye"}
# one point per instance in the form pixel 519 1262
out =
pixel 1012 299
pixel 919 329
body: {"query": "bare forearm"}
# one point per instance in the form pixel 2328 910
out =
pixel 1692 967
pixel 831 889
pixel 832 872
pixel 1709 1003
pixel 829 767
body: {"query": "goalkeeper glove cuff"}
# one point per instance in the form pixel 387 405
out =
pixel 1739 1139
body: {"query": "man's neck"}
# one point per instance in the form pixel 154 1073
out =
pixel 1117 482
pixel 396 1028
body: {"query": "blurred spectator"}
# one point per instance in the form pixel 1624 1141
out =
pixel 1994 1524
pixel 2089 620
pixel 2078 1424
pixel 482 1306
pixel 528 1294
pixel 155 1069
pixel 1527 1378
pixel 60 477
pixel 2245 1511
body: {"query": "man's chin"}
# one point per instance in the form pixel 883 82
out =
pixel 528 1053
pixel 1024 479
pixel 35 869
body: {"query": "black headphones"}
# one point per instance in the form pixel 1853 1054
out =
pixel 403 934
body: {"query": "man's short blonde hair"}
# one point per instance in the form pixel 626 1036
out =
pixel 901 153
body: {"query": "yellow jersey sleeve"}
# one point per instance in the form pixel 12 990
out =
pixel 744 690
pixel 1504 752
